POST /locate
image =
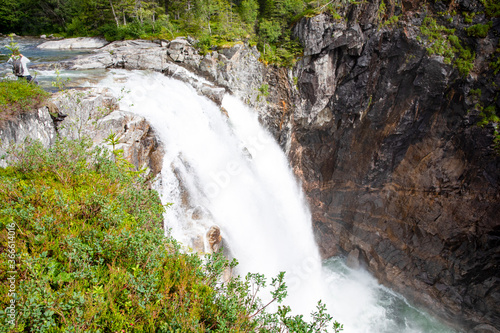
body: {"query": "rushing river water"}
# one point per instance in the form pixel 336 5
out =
pixel 28 47
pixel 228 171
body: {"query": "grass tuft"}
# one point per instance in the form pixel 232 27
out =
pixel 19 96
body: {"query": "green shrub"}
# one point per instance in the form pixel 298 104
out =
pixel 489 116
pixel 492 7
pixel 443 41
pixel 392 21
pixel 77 27
pixel 19 96
pixel 134 30
pixel 284 53
pixel 110 32
pixel 468 17
pixel 475 92
pixel 91 255
pixel 204 43
pixel 479 30
pixel 495 65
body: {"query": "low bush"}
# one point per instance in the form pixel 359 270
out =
pixel 444 42
pixel 91 256
pixel 479 30
pixel 19 96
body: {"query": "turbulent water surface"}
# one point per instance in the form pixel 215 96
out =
pixel 228 171
pixel 28 47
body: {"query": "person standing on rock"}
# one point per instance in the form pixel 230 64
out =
pixel 19 66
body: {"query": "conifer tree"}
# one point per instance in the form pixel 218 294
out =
pixel 249 10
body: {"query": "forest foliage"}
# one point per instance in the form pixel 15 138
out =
pixel 265 23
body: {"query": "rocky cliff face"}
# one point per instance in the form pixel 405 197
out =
pixel 29 126
pixel 395 169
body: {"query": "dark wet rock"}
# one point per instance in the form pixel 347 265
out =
pixel 386 147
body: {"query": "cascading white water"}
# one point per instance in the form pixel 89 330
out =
pixel 228 171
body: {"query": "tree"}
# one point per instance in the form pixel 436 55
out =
pixel 9 15
pixel 249 10
pixel 206 9
pixel 269 31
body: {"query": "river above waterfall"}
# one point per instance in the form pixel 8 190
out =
pixel 28 47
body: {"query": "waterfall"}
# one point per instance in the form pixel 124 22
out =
pixel 226 170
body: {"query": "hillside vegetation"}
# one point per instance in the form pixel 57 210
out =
pixel 83 250
pixel 265 23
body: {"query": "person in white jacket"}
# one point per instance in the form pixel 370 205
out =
pixel 19 66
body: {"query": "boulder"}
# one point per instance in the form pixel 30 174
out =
pixel 214 239
pixel 74 43
pixel 180 50
pixel 136 138
pixel 352 260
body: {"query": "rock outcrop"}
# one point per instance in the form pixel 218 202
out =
pixel 35 125
pixel 94 113
pixel 74 43
pixel 396 171
pixel 214 239
pixel 79 113
pixel 236 69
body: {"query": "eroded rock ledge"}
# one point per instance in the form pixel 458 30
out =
pixel 93 113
